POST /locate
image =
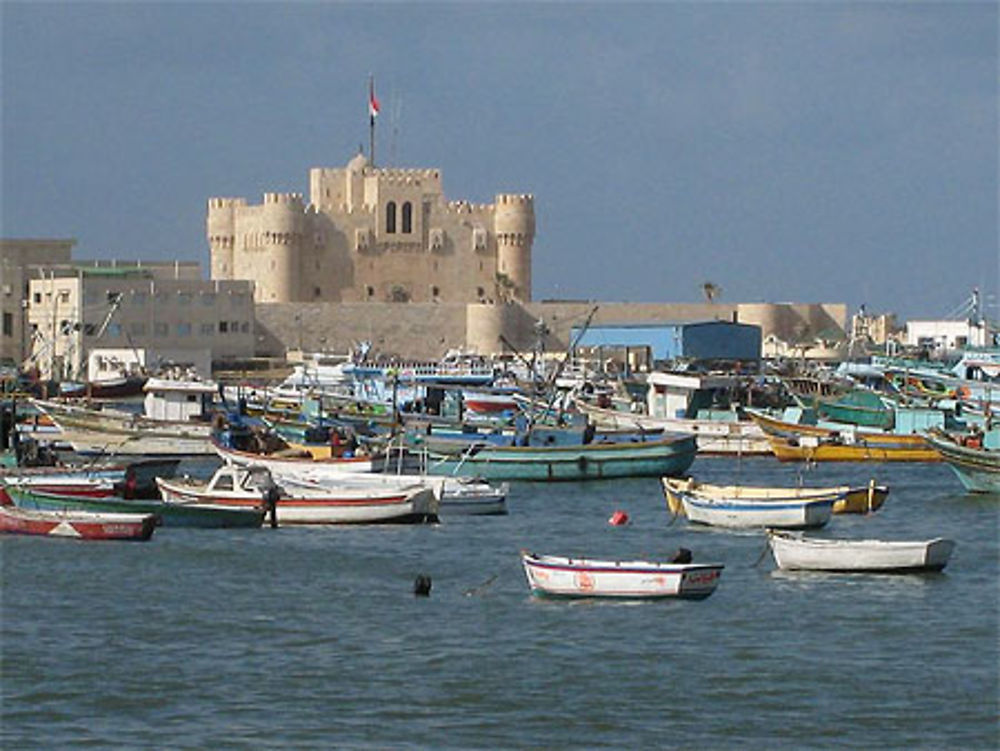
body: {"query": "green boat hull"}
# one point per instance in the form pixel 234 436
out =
pixel 171 514
pixel 668 458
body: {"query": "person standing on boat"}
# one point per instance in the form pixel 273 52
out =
pixel 271 496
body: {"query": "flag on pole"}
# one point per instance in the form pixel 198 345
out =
pixel 372 101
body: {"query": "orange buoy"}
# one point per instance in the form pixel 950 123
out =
pixel 618 519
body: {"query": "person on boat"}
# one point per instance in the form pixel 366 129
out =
pixel 271 496
pixel 351 446
pixel 335 443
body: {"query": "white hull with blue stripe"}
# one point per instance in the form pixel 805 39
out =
pixel 793 511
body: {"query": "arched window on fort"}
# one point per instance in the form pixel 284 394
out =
pixel 407 218
pixel 390 217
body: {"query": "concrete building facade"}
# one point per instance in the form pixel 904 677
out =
pixel 372 234
pixel 163 309
pixel 945 336
pixel 20 261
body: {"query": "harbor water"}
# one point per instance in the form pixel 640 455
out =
pixel 313 638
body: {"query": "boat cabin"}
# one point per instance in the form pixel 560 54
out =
pixel 230 479
pixel 690 395
pixel 168 399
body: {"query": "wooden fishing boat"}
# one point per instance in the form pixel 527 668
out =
pixel 796 552
pixel 580 577
pixel 81 525
pixel 168 426
pixel 860 499
pixel 714 437
pixel 977 468
pixel 169 513
pixel 297 464
pixel 790 510
pixel 237 487
pixel 120 387
pixel 671 456
pixel 134 479
pixel 794 442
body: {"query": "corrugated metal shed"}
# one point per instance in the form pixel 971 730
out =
pixel 708 340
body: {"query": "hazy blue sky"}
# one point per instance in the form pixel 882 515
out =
pixel 812 151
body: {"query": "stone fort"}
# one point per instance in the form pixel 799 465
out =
pixel 372 234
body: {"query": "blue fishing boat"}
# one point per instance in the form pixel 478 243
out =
pixel 670 456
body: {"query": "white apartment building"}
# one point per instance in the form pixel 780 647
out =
pixel 943 336
pixel 164 310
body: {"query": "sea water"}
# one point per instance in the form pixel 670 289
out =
pixel 313 637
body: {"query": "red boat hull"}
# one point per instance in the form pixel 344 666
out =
pixel 80 525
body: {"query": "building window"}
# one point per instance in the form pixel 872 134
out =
pixel 138 298
pixel 207 329
pixel 370 292
pixel 435 293
pixel 114 329
pixel 223 327
pixel 245 327
pixel 63 295
pixel 317 292
pixel 38 298
pixel 208 298
pixel 184 298
pixel 390 217
pixel 480 293
pixel 234 327
pixel 137 328
pixel 161 329
pixel 8 324
pixel 407 218
pixel 184 329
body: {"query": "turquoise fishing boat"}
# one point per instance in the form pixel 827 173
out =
pixel 975 460
pixel 670 456
pixel 170 514
pixel 859 407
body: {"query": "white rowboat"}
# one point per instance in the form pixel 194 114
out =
pixel 581 577
pixel 816 554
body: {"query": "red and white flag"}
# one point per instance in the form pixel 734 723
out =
pixel 372 101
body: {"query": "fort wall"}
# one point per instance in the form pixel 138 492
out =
pixel 428 330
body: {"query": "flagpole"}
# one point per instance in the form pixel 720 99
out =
pixel 372 110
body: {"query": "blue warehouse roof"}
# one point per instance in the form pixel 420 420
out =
pixel 705 340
